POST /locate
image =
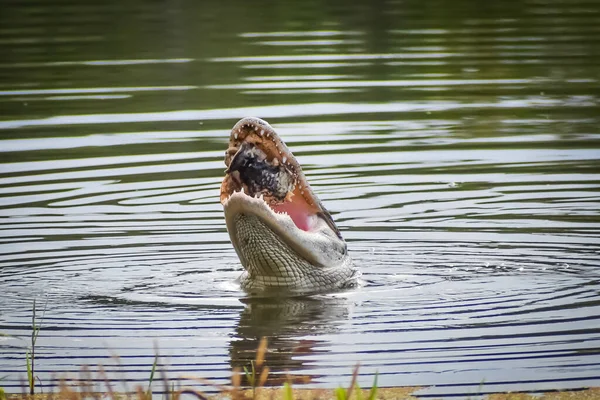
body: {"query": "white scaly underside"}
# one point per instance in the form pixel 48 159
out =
pixel 319 246
pixel 271 264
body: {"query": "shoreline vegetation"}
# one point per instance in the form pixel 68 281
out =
pixel 93 389
pixel 248 383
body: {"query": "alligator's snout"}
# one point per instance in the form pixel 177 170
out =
pixel 285 239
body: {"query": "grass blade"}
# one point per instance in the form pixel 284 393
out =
pixel 149 391
pixel 353 382
pixel 29 372
pixel 340 394
pixel 373 393
pixel 359 393
pixel 288 394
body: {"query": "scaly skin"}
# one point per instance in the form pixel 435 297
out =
pixel 285 239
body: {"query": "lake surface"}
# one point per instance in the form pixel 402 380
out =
pixel 457 145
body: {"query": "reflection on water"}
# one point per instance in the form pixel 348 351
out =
pixel 294 327
pixel 456 145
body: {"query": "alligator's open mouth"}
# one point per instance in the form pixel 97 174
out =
pixel 287 242
pixel 259 165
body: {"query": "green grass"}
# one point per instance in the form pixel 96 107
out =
pixel 30 353
pixel 152 372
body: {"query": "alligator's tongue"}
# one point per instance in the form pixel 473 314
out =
pixel 299 211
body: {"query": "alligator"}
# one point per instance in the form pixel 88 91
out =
pixel 286 240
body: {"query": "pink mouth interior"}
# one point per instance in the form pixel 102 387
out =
pixel 300 214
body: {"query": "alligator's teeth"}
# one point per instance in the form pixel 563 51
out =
pixel 262 132
pixel 235 136
pixel 284 159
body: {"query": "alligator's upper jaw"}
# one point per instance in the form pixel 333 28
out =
pixel 263 179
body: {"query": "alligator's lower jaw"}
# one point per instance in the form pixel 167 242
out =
pixel 278 219
pixel 274 269
pixel 279 258
pixel 278 222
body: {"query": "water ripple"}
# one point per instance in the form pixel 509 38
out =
pixel 457 151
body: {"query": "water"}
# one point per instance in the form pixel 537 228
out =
pixel 457 148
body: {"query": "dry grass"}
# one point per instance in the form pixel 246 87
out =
pixel 256 376
pixel 302 394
